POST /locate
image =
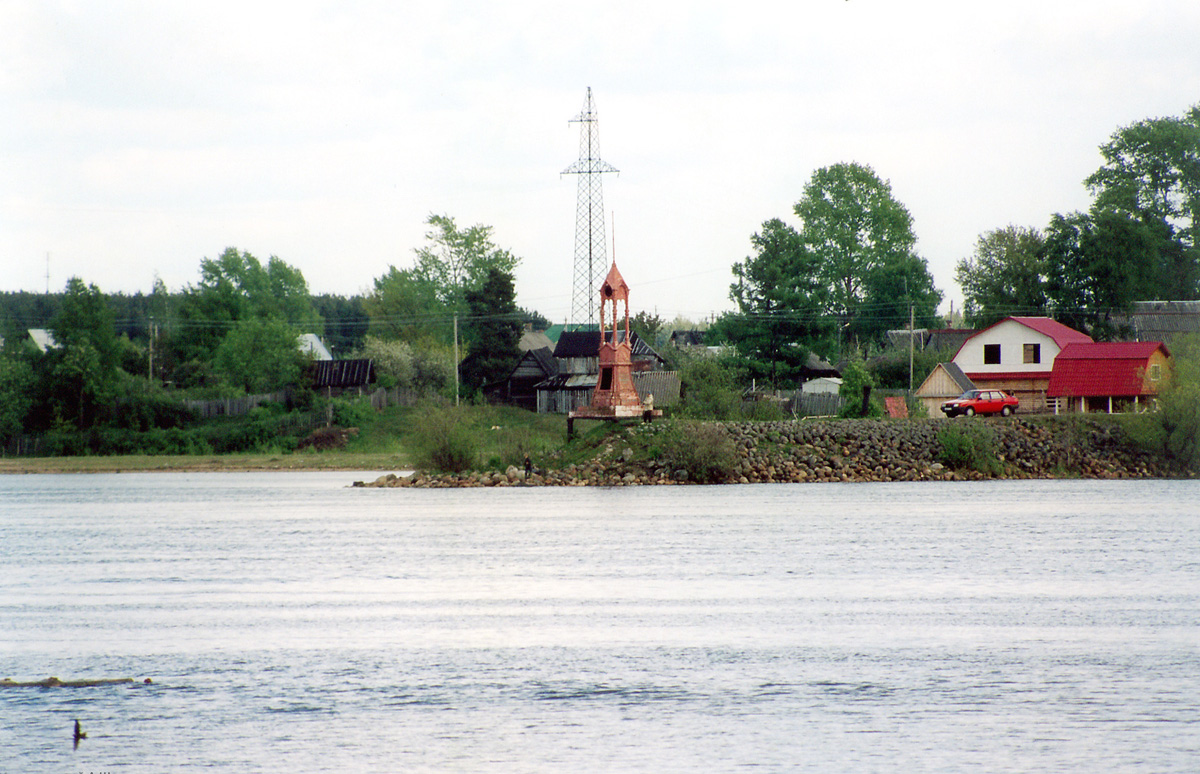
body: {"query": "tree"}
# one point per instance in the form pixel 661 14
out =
pixel 456 260
pixel 84 361
pixel 1005 276
pixel 863 247
pixel 493 331
pixel 1098 265
pixel 780 305
pixel 647 326
pixel 260 355
pixel 1151 172
pixel 16 395
pixel 404 306
pixel 236 286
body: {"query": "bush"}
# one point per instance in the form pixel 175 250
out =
pixel 704 450
pixel 444 440
pixel 855 379
pixel 709 390
pixel 352 412
pixel 969 444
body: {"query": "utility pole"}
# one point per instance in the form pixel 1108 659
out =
pixel 456 358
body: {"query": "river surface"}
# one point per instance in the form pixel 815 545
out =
pixel 292 624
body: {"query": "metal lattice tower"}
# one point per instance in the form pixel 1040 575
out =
pixel 591 260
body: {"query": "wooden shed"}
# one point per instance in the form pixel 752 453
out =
pixel 944 382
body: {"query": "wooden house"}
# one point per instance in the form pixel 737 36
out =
pixel 520 389
pixel 1016 355
pixel 945 381
pixel 1108 377
pixel 577 354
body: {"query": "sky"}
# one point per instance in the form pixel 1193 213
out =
pixel 138 138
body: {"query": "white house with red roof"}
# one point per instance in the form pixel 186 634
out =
pixel 1109 376
pixel 1017 355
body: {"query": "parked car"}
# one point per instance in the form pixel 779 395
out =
pixel 974 402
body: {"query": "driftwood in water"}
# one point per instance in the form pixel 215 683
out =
pixel 54 682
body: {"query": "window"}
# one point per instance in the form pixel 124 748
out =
pixel 1033 353
pixel 991 354
pixel 1155 372
pixel 606 378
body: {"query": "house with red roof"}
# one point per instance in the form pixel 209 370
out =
pixel 1017 355
pixel 1109 376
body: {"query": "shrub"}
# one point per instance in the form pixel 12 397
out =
pixel 444 440
pixel 352 412
pixel 704 450
pixel 969 445
pixel 855 379
pixel 709 390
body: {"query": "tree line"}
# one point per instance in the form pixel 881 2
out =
pixel 1137 241
pixel 236 330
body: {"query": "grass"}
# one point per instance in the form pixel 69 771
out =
pixel 385 441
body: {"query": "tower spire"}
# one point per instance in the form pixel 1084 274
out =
pixel 591 260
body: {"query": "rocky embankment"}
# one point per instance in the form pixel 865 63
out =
pixel 849 450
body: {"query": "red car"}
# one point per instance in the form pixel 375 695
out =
pixel 974 402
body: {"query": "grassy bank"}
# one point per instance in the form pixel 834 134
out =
pixel 385 440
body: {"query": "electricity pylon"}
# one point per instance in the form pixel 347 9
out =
pixel 591 259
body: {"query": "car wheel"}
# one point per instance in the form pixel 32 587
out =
pixel 970 411
pixel 1006 411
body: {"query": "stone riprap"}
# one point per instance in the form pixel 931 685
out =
pixel 848 450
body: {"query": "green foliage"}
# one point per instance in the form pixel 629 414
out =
pixel 969 445
pixel 1179 405
pixel 345 319
pixel 709 388
pixel 647 326
pixel 143 411
pixel 890 370
pixel 235 287
pixel 1005 276
pixel 443 439
pixel 456 260
pixel 403 305
pixel 862 245
pixel 1103 262
pixel 1150 172
pixel 16 395
pixel 493 331
pixel 393 360
pixel 83 364
pixel 780 305
pixel 855 379
pixel 705 450
pixel 352 411
pixel 260 355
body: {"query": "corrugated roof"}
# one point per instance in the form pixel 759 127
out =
pixel 1110 350
pixel 956 374
pixel 587 344
pixel 1062 334
pixel 1109 368
pixel 342 373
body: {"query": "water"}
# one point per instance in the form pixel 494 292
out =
pixel 292 624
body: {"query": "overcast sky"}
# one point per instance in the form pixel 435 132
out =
pixel 137 138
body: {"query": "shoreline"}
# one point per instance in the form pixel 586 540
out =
pixel 233 463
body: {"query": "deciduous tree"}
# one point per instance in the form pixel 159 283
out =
pixel 1005 276
pixel 864 250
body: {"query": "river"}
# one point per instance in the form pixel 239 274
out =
pixel 289 623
